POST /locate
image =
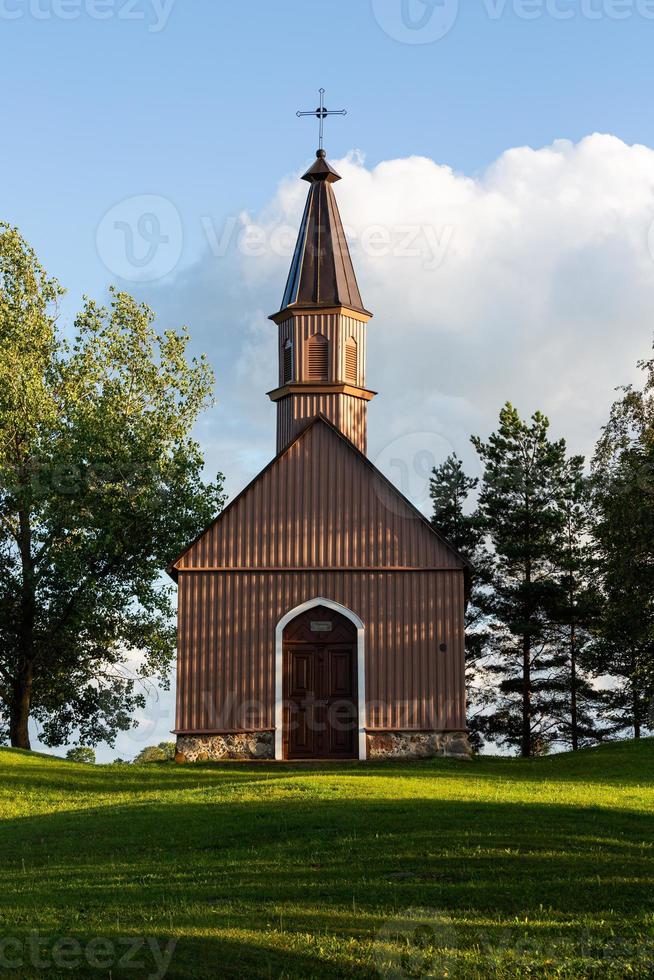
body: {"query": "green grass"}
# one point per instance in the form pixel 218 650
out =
pixel 495 868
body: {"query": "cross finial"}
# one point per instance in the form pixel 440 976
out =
pixel 321 114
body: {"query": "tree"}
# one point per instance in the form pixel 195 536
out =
pixel 520 514
pixel 575 608
pixel 163 752
pixel 623 470
pixel 81 753
pixel 450 491
pixel 100 486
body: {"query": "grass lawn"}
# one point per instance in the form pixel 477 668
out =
pixel 494 868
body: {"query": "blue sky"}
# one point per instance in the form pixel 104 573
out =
pixel 469 123
pixel 202 111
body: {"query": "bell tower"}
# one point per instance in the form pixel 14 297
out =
pixel 322 324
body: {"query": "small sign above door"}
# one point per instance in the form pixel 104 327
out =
pixel 321 626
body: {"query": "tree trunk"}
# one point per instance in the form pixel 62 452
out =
pixel 19 711
pixel 574 722
pixel 635 706
pixel 526 746
pixel 21 695
pixel 636 711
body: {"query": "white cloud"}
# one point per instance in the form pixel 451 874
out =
pixel 532 281
pixel 544 296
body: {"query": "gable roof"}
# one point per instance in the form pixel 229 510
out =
pixel 382 506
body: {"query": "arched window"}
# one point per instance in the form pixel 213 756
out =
pixel 287 362
pixel 318 358
pixel 351 366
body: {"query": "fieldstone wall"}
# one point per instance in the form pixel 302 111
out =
pixel 218 748
pixel 418 745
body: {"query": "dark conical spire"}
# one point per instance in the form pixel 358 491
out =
pixel 321 272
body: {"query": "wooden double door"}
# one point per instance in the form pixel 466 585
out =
pixel 320 687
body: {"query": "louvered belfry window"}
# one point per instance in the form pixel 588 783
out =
pixel 351 360
pixel 288 362
pixel 318 358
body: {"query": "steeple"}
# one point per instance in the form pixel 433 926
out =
pixel 322 322
pixel 321 271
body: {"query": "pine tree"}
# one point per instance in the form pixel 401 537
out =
pixel 519 511
pixel 450 491
pixel 624 497
pixel 575 609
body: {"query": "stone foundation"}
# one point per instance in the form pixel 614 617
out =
pixel 418 745
pixel 244 746
pixel 218 748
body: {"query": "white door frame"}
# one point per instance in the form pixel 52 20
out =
pixel 279 669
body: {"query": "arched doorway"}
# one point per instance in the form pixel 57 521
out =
pixel 320 685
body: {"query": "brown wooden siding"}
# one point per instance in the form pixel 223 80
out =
pixel 311 361
pixel 336 328
pixel 226 659
pixel 320 505
pixel 347 412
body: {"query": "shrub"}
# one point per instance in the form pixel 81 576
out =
pixel 81 753
pixel 163 752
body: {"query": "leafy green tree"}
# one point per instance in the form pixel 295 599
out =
pixel 623 470
pixel 450 491
pixel 100 486
pixel 163 752
pixel 81 753
pixel 520 514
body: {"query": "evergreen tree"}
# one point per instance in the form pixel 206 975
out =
pixel 519 511
pixel 624 497
pixel 450 491
pixel 575 609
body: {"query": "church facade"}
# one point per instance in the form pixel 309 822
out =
pixel 320 616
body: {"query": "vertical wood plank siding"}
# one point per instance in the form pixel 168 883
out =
pixel 336 327
pixel 320 522
pixel 226 661
pixel 319 506
pixel 347 412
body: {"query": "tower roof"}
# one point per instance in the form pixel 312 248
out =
pixel 321 273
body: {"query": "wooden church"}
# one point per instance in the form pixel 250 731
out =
pixel 320 616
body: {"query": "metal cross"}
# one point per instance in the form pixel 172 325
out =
pixel 321 113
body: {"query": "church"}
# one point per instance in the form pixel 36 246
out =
pixel 320 615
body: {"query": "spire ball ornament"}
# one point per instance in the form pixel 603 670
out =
pixel 321 114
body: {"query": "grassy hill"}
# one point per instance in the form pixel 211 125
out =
pixel 495 868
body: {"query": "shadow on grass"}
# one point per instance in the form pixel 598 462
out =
pixel 283 885
pixel 513 858
pixel 619 763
